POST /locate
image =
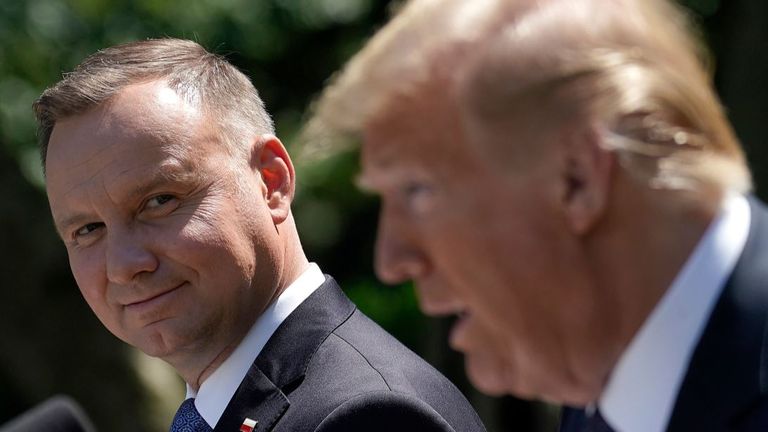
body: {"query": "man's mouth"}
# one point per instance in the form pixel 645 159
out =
pixel 147 303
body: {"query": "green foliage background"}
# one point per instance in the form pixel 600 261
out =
pixel 51 342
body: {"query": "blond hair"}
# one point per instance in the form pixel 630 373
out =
pixel 631 66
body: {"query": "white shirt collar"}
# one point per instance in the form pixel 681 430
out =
pixel 217 390
pixel 643 386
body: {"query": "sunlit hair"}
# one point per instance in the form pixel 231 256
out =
pixel 630 69
pixel 207 80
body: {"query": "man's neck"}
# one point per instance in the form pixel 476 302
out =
pixel 196 368
pixel 637 401
pixel 638 252
pixel 212 366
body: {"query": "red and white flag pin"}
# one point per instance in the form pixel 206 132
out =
pixel 248 425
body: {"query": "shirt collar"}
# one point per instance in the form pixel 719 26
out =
pixel 643 386
pixel 216 391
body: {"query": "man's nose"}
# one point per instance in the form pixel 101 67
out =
pixel 398 256
pixel 127 256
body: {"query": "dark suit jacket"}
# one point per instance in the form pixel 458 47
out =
pixel 328 367
pixel 726 385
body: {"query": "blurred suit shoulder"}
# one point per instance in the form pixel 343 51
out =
pixel 726 385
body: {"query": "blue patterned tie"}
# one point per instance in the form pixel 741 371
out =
pixel 187 419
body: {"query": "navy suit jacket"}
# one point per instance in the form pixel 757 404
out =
pixel 328 367
pixel 726 385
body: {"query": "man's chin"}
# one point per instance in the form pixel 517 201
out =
pixel 495 378
pixel 157 350
pixel 488 377
pixel 158 344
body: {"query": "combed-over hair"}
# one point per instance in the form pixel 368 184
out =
pixel 632 67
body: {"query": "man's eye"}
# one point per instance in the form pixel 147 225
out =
pixel 159 201
pixel 418 196
pixel 416 190
pixel 88 228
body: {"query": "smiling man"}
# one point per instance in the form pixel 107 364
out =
pixel 560 175
pixel 172 195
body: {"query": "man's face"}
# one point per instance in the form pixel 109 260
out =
pixel 488 245
pixel 168 236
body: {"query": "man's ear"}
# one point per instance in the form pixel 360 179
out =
pixel 587 176
pixel 271 160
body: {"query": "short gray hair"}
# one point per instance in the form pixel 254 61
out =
pixel 198 76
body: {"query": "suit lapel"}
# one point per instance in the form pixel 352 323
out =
pixel 287 354
pixel 283 361
pixel 258 399
pixel 726 375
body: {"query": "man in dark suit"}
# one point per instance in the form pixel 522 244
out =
pixel 172 195
pixel 560 175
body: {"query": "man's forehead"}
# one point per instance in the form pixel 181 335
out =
pixel 156 92
pixel 389 149
pixel 149 108
pixel 391 159
pixel 151 105
pixel 143 125
pixel 421 125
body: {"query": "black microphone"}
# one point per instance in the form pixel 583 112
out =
pixel 57 414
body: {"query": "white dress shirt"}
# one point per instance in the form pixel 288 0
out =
pixel 644 384
pixel 217 390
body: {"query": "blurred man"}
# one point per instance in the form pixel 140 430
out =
pixel 560 175
pixel 172 195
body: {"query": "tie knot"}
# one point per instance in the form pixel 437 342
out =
pixel 187 419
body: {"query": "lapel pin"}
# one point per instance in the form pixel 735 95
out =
pixel 248 425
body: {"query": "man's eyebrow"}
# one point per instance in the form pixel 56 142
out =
pixel 68 221
pixel 168 174
pixel 379 169
pixel 380 177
